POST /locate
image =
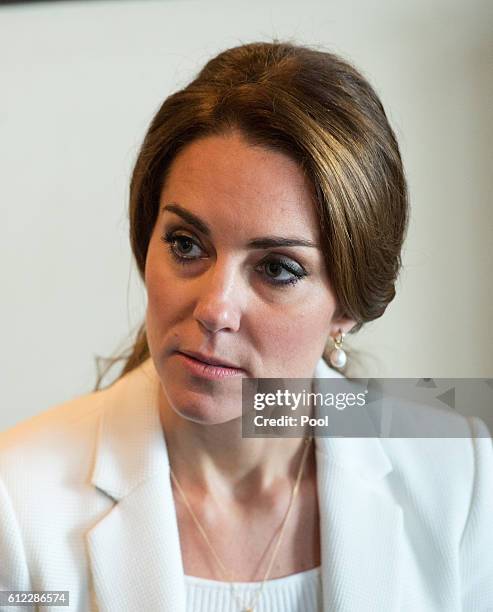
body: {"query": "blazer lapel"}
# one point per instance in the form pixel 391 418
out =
pixel 361 527
pixel 134 551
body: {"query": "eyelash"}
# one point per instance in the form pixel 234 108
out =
pixel 170 238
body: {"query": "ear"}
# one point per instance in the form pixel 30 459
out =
pixel 340 324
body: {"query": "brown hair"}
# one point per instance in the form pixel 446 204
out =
pixel 317 108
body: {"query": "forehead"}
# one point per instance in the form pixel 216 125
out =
pixel 233 184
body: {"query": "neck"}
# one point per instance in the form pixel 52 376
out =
pixel 215 460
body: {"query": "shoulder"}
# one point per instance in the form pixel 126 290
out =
pixel 448 483
pixel 460 443
pixel 46 440
pixel 61 442
pixel 436 461
pixel 434 447
pixel 46 501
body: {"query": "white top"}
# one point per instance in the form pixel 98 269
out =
pixel 301 592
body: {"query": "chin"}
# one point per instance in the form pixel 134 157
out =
pixel 203 415
pixel 205 408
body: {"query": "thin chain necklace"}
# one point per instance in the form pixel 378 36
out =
pixel 225 572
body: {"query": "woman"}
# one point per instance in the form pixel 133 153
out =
pixel 268 207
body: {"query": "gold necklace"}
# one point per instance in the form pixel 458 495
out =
pixel 294 493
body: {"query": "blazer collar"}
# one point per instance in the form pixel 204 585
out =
pixel 134 550
pixel 131 446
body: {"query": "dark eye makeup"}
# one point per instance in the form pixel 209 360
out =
pixel 181 247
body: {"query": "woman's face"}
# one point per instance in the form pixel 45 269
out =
pixel 233 272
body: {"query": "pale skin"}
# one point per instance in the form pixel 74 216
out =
pixel 223 301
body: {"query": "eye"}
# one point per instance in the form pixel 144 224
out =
pixel 181 247
pixel 282 271
pixel 278 271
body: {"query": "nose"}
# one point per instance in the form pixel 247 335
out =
pixel 219 303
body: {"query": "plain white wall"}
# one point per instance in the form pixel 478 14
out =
pixel 81 81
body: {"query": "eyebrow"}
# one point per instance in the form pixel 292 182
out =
pixel 262 242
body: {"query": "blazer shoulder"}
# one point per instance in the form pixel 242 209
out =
pixel 59 429
pixel 444 468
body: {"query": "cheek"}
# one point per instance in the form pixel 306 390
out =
pixel 295 341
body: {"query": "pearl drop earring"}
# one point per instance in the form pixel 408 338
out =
pixel 338 357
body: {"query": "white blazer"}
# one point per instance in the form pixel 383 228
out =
pixel 86 506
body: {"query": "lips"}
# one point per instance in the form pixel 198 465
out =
pixel 211 360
